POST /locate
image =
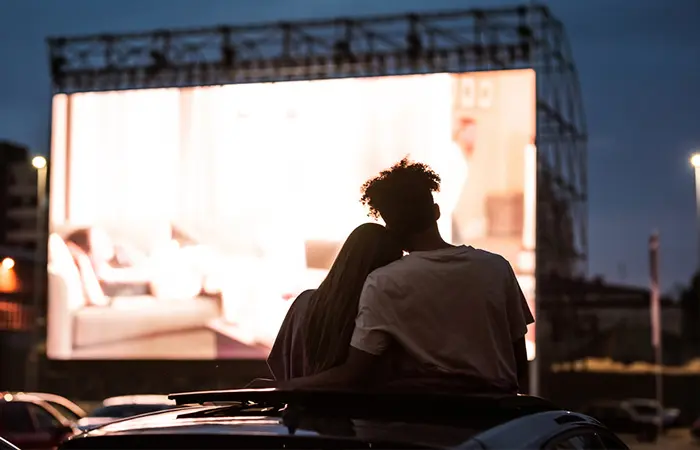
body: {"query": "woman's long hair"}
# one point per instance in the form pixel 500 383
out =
pixel 330 316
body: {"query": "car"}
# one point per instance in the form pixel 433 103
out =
pixel 115 408
pixel 4 445
pixel 31 423
pixel 276 419
pixel 633 416
pixel 67 408
pixel 651 410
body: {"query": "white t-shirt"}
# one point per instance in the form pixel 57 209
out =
pixel 455 311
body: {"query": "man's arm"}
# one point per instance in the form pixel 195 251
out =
pixel 520 351
pixel 355 372
pixel 368 343
pixel 519 317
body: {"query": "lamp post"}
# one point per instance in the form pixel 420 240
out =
pixel 32 376
pixel 695 162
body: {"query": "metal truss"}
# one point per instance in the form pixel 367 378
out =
pixel 454 41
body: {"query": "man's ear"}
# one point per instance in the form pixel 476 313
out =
pixel 436 211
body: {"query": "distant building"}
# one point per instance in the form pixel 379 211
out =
pixel 18 198
pixel 18 245
pixel 592 319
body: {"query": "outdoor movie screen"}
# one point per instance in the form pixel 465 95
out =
pixel 184 221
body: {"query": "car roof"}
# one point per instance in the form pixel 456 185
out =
pixel 55 398
pixel 145 399
pixel 21 397
pixel 385 419
pixel 7 397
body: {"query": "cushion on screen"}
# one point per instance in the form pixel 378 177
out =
pixel 140 317
pixel 91 285
pixel 62 265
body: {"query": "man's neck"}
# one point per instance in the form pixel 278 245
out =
pixel 430 240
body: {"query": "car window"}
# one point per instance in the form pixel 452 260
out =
pixel 645 410
pixel 15 418
pixel 123 411
pixel 65 412
pixel 44 419
pixel 583 441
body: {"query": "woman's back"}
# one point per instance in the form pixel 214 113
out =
pixel 315 335
pixel 289 357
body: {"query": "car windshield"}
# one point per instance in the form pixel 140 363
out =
pixel 129 410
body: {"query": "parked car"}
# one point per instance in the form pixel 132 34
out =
pixel 4 445
pixel 633 416
pixel 270 418
pixel 31 423
pixel 650 409
pixel 116 408
pixel 67 408
pixel 695 430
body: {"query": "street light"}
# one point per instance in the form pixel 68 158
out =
pixel 40 164
pixel 7 264
pixel 695 162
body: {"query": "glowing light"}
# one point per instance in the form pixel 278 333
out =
pixel 39 162
pixel 265 187
pixel 8 264
pixel 695 160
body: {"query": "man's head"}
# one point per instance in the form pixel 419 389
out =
pixel 403 197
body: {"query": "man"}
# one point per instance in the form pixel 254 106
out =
pixel 445 315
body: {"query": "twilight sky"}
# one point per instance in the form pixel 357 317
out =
pixel 638 61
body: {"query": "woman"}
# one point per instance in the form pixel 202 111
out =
pixel 315 335
pixel 116 276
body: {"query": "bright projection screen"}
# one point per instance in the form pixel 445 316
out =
pixel 183 222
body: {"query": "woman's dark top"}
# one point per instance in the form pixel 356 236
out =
pixel 289 357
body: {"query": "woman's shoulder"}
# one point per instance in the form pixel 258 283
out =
pixel 302 299
pixel 305 294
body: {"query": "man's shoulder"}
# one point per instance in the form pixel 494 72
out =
pixel 488 256
pixel 391 278
pixel 389 271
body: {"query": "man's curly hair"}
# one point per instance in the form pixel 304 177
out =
pixel 403 196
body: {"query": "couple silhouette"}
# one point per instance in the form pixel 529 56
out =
pixel 443 317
